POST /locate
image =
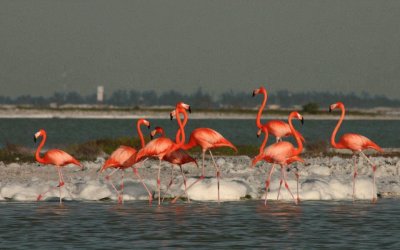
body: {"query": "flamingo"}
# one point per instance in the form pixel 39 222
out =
pixel 55 157
pixel 162 146
pixel 178 157
pixel 123 158
pixel 356 143
pixel 207 139
pixel 282 153
pixel 277 128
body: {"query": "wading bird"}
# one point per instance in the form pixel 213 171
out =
pixel 277 128
pixel 178 157
pixel 123 158
pixel 207 139
pixel 162 146
pixel 356 143
pixel 55 157
pixel 282 153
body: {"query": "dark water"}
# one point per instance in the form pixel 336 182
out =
pixel 241 132
pixel 235 225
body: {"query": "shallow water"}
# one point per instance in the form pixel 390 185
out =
pixel 228 225
pixel 62 132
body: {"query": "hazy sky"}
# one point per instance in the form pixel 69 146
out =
pixel 46 46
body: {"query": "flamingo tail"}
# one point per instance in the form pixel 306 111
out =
pixel 373 145
pixel 225 143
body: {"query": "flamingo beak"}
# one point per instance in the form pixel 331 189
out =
pixel 330 110
pixel 34 139
pixel 302 121
pixel 258 135
pixel 254 94
pixel 170 115
pixel 151 136
pixel 190 110
pixel 148 127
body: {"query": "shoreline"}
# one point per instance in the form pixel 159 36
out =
pixel 161 114
pixel 321 178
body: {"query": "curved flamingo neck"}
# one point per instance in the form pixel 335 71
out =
pixel 299 148
pixel 264 141
pixel 260 110
pixel 180 141
pixel 333 143
pixel 37 154
pixel 178 133
pixel 139 131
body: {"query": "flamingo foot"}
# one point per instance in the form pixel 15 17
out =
pixel 120 201
pixel 373 200
pixel 39 198
pixel 61 184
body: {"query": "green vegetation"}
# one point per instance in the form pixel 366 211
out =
pixel 90 150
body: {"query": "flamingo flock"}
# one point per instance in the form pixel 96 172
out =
pixel 174 151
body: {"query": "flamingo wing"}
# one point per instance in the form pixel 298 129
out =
pixel 60 158
pixel 356 142
pixel 157 147
pixel 120 157
pixel 281 129
pixel 209 138
pixel 279 152
pixel 179 157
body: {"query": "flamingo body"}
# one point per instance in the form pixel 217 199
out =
pixel 207 138
pixel 277 128
pixel 158 147
pixel 120 158
pixel 356 142
pixel 59 158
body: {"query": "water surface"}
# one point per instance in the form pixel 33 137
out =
pixel 62 132
pixel 201 225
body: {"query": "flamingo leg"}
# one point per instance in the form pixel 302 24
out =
pixel 61 183
pixel 217 172
pixel 136 172
pixel 187 189
pixel 108 179
pixel 287 186
pixel 268 182
pixel 121 193
pixel 297 178
pixel 280 183
pixel 170 182
pixel 354 175
pixel 373 173
pixel 159 183
pixel 184 182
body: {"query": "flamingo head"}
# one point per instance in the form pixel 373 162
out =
pixel 181 105
pixel 157 130
pixel 145 122
pixel 172 114
pixel 263 129
pixel 38 134
pixel 297 115
pixel 259 90
pixel 336 105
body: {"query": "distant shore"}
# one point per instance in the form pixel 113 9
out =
pixel 162 113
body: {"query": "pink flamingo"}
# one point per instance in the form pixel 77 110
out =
pixel 277 128
pixel 207 139
pixel 123 158
pixel 178 157
pixel 282 153
pixel 55 157
pixel 356 143
pixel 162 146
